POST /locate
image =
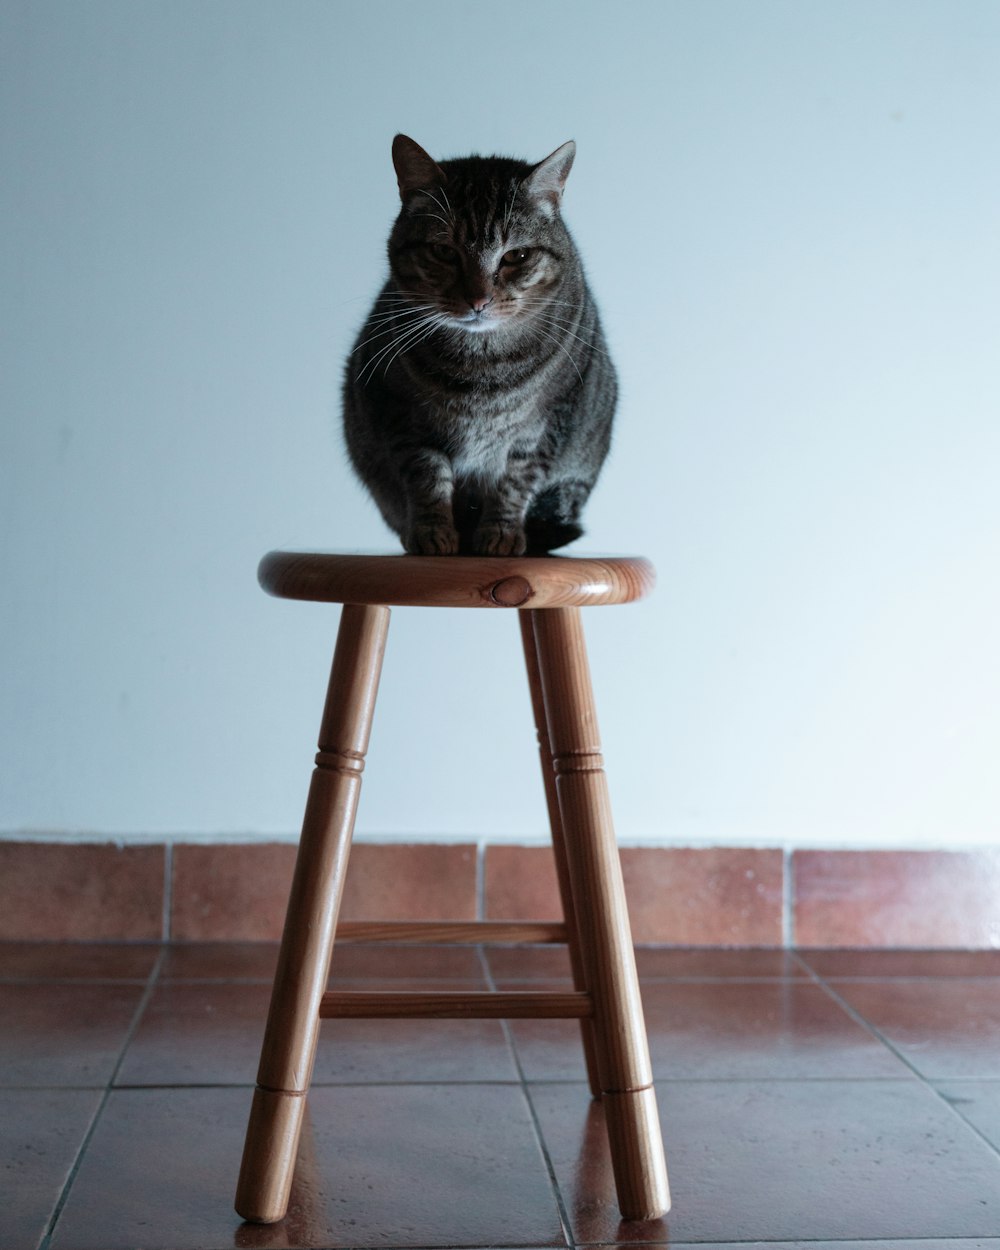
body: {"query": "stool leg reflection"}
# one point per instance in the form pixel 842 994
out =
pixel 599 902
pixel 304 962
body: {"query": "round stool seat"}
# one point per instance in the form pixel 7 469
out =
pixel 456 581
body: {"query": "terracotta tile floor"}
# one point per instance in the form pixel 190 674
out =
pixel 822 1099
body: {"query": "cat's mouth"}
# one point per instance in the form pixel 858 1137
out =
pixel 477 322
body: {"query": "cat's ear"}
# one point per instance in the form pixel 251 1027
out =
pixel 415 170
pixel 547 179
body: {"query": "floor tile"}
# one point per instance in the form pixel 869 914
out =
pixel 978 1102
pixel 240 892
pixel 653 963
pixel 753 963
pixel 65 1034
pixel 902 963
pixel 357 962
pixel 77 961
pixel 896 898
pixel 419 1166
pixel 728 895
pixel 411 881
pixel 945 1028
pixel 702 896
pixel 520 883
pixel 41 1132
pixel 54 891
pixel 725 1029
pixel 230 892
pixel 211 1034
pixel 257 961
pixel 529 963
pixel 784 1161
pixel 920 1243
pixel 220 961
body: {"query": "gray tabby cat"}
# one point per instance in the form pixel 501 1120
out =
pixel 479 396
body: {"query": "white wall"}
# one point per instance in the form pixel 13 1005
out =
pixel 790 213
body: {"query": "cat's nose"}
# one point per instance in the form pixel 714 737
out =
pixel 480 302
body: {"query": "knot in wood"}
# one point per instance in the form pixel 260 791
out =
pixel 511 592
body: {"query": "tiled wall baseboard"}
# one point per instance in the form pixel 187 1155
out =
pixel 724 896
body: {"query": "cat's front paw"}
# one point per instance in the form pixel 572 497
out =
pixel 431 539
pixel 496 539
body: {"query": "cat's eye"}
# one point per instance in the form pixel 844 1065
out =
pixel 441 251
pixel 516 256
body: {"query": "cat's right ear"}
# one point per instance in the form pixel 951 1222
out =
pixel 415 170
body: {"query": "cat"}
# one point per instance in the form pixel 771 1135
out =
pixel 479 397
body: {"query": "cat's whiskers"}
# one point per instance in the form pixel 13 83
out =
pixel 436 217
pixel 569 327
pixel 563 328
pixel 400 304
pixel 562 348
pixel 447 211
pixel 406 339
pixel 398 320
pixel 397 313
pixel 398 336
pixel 414 339
pixel 540 301
pixel 369 370
pixel 393 330
pixel 510 209
pixel 413 343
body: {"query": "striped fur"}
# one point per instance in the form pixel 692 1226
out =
pixel 479 396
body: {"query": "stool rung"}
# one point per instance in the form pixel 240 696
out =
pixel 454 1004
pixel 455 932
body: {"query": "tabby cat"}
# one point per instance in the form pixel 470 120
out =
pixel 479 396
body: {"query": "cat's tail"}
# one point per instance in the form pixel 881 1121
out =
pixel 546 534
pixel 552 518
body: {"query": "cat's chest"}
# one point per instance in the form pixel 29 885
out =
pixel 480 440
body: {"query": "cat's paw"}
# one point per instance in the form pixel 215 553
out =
pixel 431 539
pixel 496 539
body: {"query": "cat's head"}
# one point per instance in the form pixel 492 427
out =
pixel 480 240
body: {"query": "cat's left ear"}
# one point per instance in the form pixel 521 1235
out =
pixel 547 179
pixel 415 170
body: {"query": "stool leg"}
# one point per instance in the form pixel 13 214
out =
pixel 599 897
pixel 577 964
pixel 310 926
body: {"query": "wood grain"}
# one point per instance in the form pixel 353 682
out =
pixel 549 592
pixel 455 1005
pixel 451 932
pixel 577 963
pixel 317 886
pixel 456 581
pixel 603 925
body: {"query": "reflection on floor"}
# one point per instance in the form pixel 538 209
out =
pixel 828 1098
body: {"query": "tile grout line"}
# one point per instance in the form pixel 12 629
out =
pixel 787 900
pixel 561 1210
pixel 88 1136
pixel 877 1033
pixel 481 880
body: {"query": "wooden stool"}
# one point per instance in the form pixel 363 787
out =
pixel 549 591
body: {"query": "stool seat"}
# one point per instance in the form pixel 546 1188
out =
pixel 456 581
